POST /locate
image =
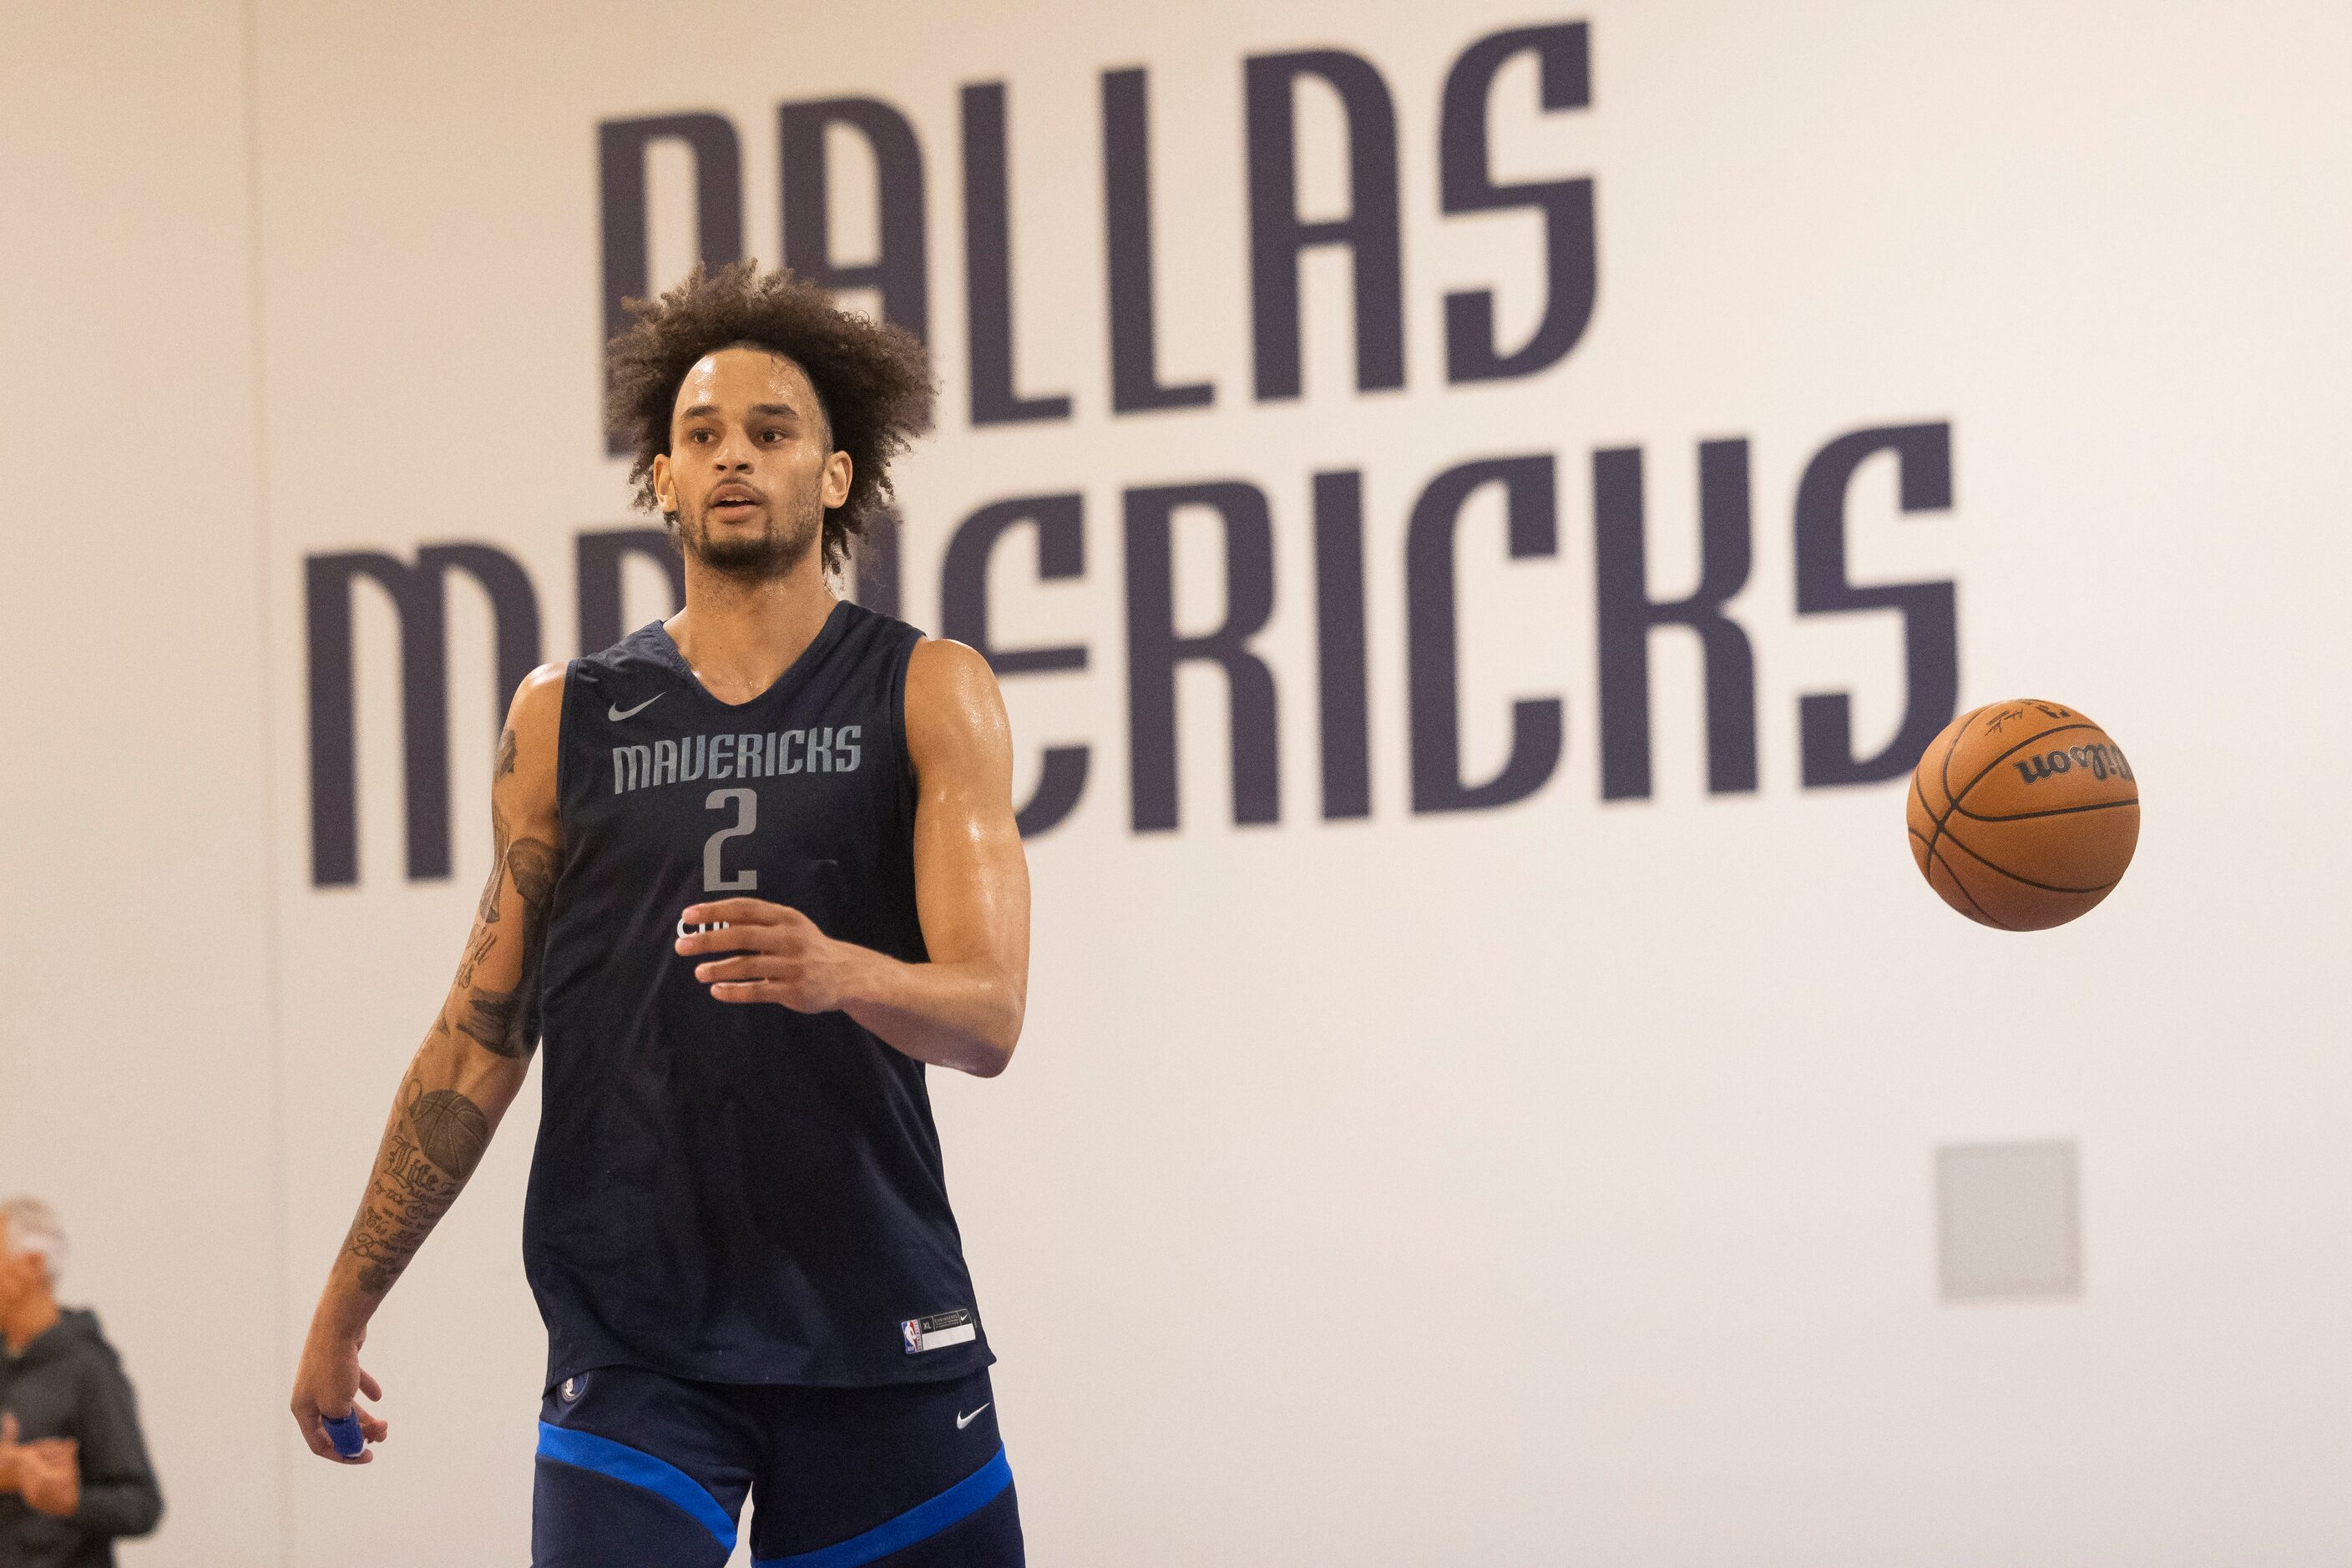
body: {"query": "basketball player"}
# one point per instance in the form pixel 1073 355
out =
pixel 755 867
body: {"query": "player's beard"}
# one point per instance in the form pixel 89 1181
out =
pixel 776 551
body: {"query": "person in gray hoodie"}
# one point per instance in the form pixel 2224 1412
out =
pixel 74 1476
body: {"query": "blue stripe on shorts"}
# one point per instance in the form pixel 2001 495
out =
pixel 587 1451
pixel 920 1522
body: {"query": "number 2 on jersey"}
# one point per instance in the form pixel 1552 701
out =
pixel 747 817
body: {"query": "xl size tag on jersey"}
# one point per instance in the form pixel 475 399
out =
pixel 939 1331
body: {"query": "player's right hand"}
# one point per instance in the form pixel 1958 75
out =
pixel 18 1457
pixel 326 1385
pixel 48 1476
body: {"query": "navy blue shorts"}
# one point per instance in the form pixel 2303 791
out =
pixel 635 1469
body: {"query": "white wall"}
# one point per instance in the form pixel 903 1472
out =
pixel 1547 1185
pixel 138 1078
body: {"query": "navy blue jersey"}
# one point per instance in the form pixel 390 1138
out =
pixel 731 1193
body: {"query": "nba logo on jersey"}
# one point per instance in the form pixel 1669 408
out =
pixel 939 1331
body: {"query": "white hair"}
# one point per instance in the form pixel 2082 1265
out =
pixel 34 1229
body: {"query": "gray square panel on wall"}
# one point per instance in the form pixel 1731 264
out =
pixel 2009 1221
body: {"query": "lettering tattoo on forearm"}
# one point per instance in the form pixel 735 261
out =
pixel 437 1138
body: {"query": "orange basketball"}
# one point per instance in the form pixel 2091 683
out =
pixel 2023 815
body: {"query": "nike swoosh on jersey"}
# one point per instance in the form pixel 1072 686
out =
pixel 616 712
pixel 963 1421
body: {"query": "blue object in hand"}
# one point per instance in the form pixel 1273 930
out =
pixel 345 1433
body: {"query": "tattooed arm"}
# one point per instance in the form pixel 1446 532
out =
pixel 463 1076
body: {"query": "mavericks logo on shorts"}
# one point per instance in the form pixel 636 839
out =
pixel 939 1331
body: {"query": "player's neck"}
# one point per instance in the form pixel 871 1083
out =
pixel 738 637
pixel 34 1316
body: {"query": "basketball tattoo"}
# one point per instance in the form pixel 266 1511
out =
pixel 415 1188
pixel 438 1136
pixel 451 1130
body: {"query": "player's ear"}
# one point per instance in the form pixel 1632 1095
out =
pixel 836 480
pixel 665 483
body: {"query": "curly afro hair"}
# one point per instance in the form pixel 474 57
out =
pixel 873 379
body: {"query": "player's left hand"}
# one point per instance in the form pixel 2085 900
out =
pixel 46 1471
pixel 781 955
pixel 48 1476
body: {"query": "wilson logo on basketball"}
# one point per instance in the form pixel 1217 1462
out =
pixel 2104 760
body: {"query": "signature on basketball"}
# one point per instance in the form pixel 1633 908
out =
pixel 1993 724
pixel 2104 758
